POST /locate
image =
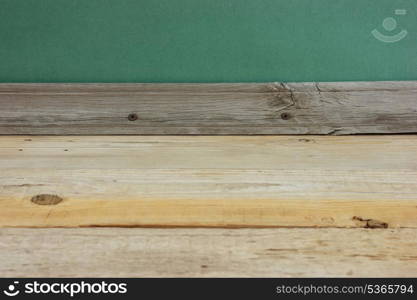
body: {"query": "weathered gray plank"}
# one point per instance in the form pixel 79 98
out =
pixel 238 108
pixel 285 252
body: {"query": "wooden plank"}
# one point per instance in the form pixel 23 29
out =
pixel 124 252
pixel 223 181
pixel 216 109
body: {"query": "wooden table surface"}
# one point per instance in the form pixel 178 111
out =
pixel 339 206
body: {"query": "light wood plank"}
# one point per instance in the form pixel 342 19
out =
pixel 216 109
pixel 224 181
pixel 117 252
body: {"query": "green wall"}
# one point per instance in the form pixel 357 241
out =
pixel 204 40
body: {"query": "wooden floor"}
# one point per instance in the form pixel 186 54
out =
pixel 333 205
pixel 112 205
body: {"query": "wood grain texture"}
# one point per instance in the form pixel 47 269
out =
pixel 216 109
pixel 123 252
pixel 223 181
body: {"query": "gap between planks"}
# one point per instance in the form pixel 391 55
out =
pixel 206 181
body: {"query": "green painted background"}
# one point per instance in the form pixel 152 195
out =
pixel 203 40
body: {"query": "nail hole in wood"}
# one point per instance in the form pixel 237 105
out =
pixel 132 117
pixel 285 116
pixel 46 199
